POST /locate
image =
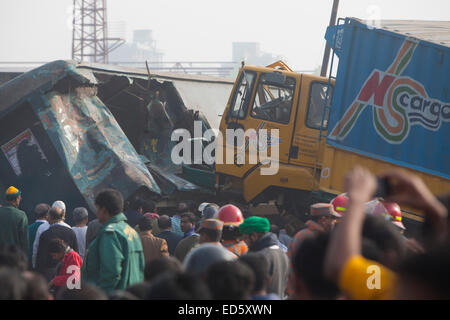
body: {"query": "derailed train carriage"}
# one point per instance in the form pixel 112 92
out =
pixel 69 130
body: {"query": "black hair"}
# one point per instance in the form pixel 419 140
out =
pixel 56 214
pixel 260 267
pixel 41 210
pixel 385 236
pixel 12 283
pixel 111 200
pixel 230 280
pixel 431 269
pixel 145 224
pixel 137 203
pixel 148 206
pixel 275 229
pixel 213 235
pixel 177 286
pixel 13 257
pixel 86 292
pixel 192 205
pixel 156 267
pixel 230 233
pixel 164 222
pixel 182 208
pixel 308 264
pixel 190 216
pixel 56 246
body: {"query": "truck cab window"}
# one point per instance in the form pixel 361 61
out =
pixel 273 100
pixel 242 95
pixel 317 96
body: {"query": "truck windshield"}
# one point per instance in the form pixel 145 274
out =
pixel 273 101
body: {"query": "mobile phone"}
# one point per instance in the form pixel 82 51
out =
pixel 384 189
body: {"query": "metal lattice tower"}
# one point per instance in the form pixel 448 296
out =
pixel 90 40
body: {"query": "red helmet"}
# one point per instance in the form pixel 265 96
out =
pixel 396 213
pixel 340 203
pixel 230 215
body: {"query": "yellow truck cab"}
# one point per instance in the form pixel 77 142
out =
pixel 386 108
pixel 274 97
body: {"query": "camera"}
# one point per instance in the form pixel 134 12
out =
pixel 384 188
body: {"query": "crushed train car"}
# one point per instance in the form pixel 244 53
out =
pixel 68 130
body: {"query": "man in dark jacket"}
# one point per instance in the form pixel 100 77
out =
pixel 259 239
pixel 115 258
pixel 58 229
pixel 13 222
pixel 135 212
pixel 41 212
pixel 94 227
pixel 172 238
pixel 190 239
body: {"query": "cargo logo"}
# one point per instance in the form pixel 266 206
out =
pixel 398 102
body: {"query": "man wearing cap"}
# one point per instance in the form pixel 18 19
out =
pixel 13 222
pixel 256 234
pixel 80 218
pixel 208 210
pixel 58 229
pixel 232 217
pixel 323 219
pixel 210 231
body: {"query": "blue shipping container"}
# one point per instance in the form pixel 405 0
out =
pixel 392 95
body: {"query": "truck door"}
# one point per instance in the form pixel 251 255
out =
pixel 305 144
pixel 271 106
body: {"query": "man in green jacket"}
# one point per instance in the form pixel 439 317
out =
pixel 13 222
pixel 114 259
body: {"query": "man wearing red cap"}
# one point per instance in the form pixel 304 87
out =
pixel 232 218
pixel 396 213
pixel 340 203
pixel 13 222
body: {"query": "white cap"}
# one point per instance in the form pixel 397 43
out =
pixel 59 204
pixel 202 206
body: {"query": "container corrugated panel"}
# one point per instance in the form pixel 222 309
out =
pixel 392 94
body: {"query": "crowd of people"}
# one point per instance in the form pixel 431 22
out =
pixel 351 248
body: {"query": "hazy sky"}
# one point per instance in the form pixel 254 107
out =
pixel 201 30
